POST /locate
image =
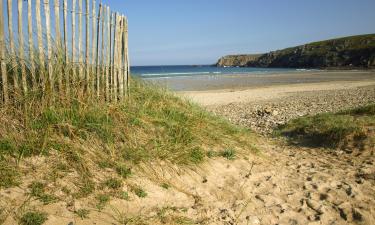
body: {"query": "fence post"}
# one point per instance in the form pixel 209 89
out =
pixel 115 56
pixel 21 47
pixel 40 43
pixel 97 53
pixel 66 46
pixel 80 56
pixel 102 52
pixel 58 42
pixel 11 45
pixel 73 39
pixel 49 47
pixel 87 46
pixel 93 53
pixel 111 55
pixel 31 42
pixel 108 51
pixel 57 23
pixel 127 55
pixel 124 55
pixel 4 75
pixel 119 62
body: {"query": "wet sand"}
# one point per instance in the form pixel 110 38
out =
pixel 246 81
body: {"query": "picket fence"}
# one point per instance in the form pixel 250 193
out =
pixel 69 46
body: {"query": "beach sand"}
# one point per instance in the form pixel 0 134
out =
pixel 281 184
pixel 296 184
pixel 264 107
pixel 256 80
pixel 256 94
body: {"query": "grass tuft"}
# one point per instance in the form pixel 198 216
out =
pixel 37 190
pixel 229 154
pixel 102 199
pixel 113 183
pixel 9 175
pixel 82 213
pixel 331 130
pixel 139 192
pixel 123 170
pixel 33 218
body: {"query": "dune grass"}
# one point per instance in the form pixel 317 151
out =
pixel 333 130
pixel 152 124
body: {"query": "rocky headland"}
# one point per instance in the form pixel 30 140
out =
pixel 344 53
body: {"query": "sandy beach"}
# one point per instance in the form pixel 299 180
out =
pixel 304 185
pixel 281 184
pixel 264 107
pixel 257 80
pixel 256 94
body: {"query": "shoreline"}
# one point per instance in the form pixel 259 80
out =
pixel 263 93
pixel 248 81
pixel 262 109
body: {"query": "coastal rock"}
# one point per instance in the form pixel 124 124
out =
pixel 237 60
pixel 347 52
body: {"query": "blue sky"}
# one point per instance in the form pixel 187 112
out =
pixel 182 32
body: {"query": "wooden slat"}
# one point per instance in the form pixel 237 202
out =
pixel 73 40
pixel 66 71
pixel 57 23
pixel 11 45
pixel 58 42
pixel 93 53
pixel 119 62
pixel 4 75
pixel 49 46
pixel 40 43
pixel 124 55
pixel 87 45
pixel 102 52
pixel 80 55
pixel 21 46
pixel 31 42
pixel 97 53
pixel 115 56
pixel 127 55
pixel 108 53
pixel 111 75
pixel 65 24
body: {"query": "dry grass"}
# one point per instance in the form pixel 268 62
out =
pixel 85 148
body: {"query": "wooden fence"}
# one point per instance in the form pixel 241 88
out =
pixel 68 47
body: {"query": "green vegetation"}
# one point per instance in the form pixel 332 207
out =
pixel 123 170
pixel 102 199
pixel 350 127
pixel 346 52
pixel 33 218
pixel 165 186
pixel 124 195
pixel 113 183
pixel 37 190
pixel 82 213
pixel 229 154
pixel 152 124
pixel 139 192
pixel 9 175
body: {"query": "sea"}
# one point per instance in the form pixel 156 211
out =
pixel 190 71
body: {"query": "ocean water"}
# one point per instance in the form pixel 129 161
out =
pixel 187 71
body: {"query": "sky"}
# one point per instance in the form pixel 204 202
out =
pixel 192 32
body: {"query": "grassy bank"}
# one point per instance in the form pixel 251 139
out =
pixel 83 149
pixel 350 128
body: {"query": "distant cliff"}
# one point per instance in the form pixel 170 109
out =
pixel 237 60
pixel 347 52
